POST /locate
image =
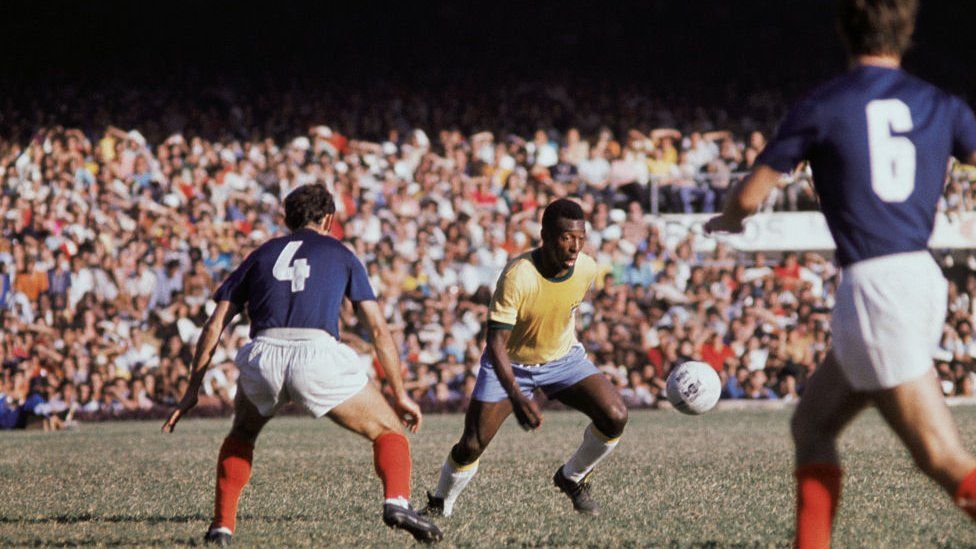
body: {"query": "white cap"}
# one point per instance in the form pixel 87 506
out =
pixel 422 139
pixel 612 232
pixel 137 137
pixel 171 200
pixel 322 131
pixel 301 143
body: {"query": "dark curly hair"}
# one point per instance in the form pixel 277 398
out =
pixel 563 208
pixel 308 204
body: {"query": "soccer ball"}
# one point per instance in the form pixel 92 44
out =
pixel 694 388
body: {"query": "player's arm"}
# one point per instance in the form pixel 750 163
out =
pixel 206 345
pixel 502 315
pixel 370 313
pixel 526 410
pixel 964 133
pixel 661 133
pixel 717 135
pixel 798 133
pixel 745 199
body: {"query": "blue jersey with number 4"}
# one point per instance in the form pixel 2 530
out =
pixel 878 141
pixel 297 281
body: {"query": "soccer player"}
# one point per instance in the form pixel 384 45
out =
pixel 532 345
pixel 293 288
pixel 878 141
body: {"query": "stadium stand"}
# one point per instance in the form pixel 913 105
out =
pixel 112 243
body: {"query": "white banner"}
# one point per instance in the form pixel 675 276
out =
pixel 800 231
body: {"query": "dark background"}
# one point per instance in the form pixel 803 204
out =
pixel 713 54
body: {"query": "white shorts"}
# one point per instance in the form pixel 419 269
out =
pixel 305 366
pixel 888 319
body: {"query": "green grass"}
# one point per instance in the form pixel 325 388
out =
pixel 717 480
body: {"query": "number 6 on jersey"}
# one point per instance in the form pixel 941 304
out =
pixel 892 156
pixel 285 270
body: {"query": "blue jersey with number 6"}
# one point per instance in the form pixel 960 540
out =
pixel 878 141
pixel 297 281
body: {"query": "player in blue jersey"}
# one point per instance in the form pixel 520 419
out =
pixel 878 141
pixel 293 288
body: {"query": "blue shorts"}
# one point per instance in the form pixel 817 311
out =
pixel 551 377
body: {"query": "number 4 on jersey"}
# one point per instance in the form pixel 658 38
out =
pixel 296 272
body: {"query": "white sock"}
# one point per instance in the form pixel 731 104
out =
pixel 453 479
pixel 594 448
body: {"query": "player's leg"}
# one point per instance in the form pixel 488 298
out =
pixel 234 466
pixel 596 397
pixel 368 414
pixel 488 410
pixel 917 412
pixel 827 406
pixel 481 422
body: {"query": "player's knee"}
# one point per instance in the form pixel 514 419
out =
pixel 803 428
pixel 467 450
pixel 933 455
pixel 245 433
pixel 615 420
pixel 385 424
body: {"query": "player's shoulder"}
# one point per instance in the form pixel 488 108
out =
pixel 519 267
pixel 313 246
pixel 585 264
pixel 585 259
pixel 930 91
pixel 308 238
pixel 863 80
pixel 821 97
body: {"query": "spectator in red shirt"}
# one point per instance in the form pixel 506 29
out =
pixel 788 271
pixel 715 352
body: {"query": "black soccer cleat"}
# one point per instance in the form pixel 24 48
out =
pixel 407 519
pixel 435 506
pixel 579 492
pixel 217 536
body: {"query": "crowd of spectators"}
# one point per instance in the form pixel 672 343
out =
pixel 112 243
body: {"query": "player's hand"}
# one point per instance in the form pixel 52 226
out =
pixel 186 404
pixel 724 224
pixel 526 412
pixel 409 413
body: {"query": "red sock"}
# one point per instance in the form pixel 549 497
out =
pixel 391 456
pixel 817 496
pixel 966 494
pixel 233 472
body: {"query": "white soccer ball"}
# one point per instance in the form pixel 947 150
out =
pixel 694 388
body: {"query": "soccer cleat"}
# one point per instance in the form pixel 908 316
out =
pixel 435 506
pixel 407 519
pixel 579 492
pixel 217 536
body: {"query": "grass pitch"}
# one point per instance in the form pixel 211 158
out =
pixel 716 480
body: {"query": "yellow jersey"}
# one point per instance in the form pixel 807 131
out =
pixel 540 311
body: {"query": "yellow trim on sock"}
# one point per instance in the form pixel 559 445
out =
pixel 606 440
pixel 458 467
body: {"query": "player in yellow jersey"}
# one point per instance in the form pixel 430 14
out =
pixel 532 345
